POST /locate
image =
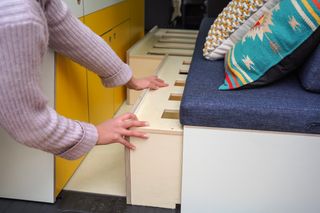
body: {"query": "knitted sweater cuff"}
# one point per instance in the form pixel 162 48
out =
pixel 87 142
pixel 120 78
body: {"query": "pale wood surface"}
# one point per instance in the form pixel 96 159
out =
pixel 174 46
pixel 177 40
pixel 153 170
pixel 173 52
pixel 142 66
pixel 155 102
pixel 182 31
pixel 146 55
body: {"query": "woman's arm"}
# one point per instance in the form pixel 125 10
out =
pixel 75 40
pixel 24 112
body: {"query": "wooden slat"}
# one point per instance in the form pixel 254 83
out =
pixel 174 46
pixel 178 40
pixel 180 83
pixel 179 35
pixel 172 52
pixel 170 114
pixel 175 97
pixel 183 31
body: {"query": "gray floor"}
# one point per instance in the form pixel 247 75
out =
pixel 76 202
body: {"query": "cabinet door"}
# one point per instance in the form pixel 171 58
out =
pixel 100 98
pixel 137 20
pixel 76 7
pixel 26 173
pixel 72 102
pixel 120 43
pixel 91 6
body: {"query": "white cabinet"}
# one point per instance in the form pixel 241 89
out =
pixel 26 173
pixel 76 7
pixel 91 6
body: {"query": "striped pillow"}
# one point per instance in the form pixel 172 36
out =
pixel 277 44
pixel 232 24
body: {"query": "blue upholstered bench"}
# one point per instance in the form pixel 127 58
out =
pixel 252 150
pixel 283 106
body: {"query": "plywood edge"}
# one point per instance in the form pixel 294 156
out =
pixel 146 57
pixel 128 175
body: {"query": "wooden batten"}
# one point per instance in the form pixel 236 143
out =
pixel 174 46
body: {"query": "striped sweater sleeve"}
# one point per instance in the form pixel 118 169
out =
pixel 73 39
pixel 24 112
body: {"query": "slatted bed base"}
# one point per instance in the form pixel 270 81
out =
pixel 154 168
pixel 147 55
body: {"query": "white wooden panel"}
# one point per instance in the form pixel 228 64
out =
pixel 238 171
pixel 91 6
pixel 26 173
pixel 76 7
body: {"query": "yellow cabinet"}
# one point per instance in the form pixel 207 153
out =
pixel 120 42
pixel 71 101
pixel 80 94
pixel 137 20
pixel 100 98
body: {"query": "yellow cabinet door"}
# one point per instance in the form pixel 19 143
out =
pixel 72 102
pixel 137 20
pixel 120 43
pixel 100 98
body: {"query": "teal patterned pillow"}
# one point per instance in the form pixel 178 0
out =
pixel 271 48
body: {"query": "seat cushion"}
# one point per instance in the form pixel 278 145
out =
pixel 310 72
pixel 282 106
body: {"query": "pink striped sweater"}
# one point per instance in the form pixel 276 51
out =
pixel 27 28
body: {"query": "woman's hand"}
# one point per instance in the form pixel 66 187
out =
pixel 152 82
pixel 116 130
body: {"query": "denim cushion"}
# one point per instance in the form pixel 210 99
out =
pixel 282 106
pixel 310 72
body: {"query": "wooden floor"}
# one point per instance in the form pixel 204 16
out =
pixel 76 202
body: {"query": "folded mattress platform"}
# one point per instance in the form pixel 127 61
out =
pixel 253 150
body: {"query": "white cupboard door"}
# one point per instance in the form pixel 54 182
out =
pixel 76 7
pixel 91 6
pixel 26 173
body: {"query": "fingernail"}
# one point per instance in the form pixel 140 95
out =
pixel 146 136
pixel 146 123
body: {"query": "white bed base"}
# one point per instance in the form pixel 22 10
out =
pixel 245 171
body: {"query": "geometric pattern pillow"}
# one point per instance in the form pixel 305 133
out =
pixel 275 46
pixel 232 24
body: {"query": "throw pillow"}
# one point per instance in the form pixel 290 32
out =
pixel 310 72
pixel 232 24
pixel 279 43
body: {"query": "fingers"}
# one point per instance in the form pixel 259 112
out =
pixel 134 123
pixel 128 116
pixel 133 133
pixel 157 83
pixel 127 144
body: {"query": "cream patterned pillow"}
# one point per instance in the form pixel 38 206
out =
pixel 232 24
